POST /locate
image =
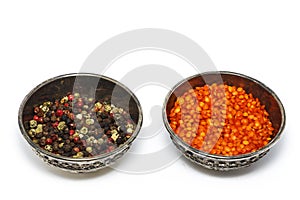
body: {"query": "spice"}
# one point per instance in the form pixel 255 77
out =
pixel 78 126
pixel 221 119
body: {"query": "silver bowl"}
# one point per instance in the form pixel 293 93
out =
pixel 91 84
pixel 217 162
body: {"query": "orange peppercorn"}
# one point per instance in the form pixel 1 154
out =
pixel 221 119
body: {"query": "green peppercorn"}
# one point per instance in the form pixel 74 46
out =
pixel 48 147
pixel 64 99
pixel 89 121
pixel 39 128
pixel 85 107
pixel 78 155
pixel 32 123
pixel 61 145
pixel 129 130
pixel 79 116
pixel 35 141
pixel 107 108
pixel 90 99
pixel 100 141
pixel 45 109
pixel 32 133
pixel 84 130
pixel 129 126
pixel 84 112
pixel 98 105
pixel 114 134
pixel 47 103
pixel 76 95
pixel 89 149
pixel 61 125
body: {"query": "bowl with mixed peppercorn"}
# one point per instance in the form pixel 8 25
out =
pixel 80 122
pixel 223 120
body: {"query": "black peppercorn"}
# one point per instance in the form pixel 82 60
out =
pixel 42 141
pixel 120 140
pixel 39 135
pixel 64 117
pixel 67 147
pixel 55 146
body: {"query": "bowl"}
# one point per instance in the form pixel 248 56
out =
pixel 87 84
pixel 220 162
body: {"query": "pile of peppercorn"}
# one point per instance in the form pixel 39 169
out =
pixel 77 126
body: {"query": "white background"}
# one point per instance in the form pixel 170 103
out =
pixel 43 39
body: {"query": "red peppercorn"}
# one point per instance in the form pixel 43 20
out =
pixel 41 120
pixel 110 149
pixel 54 137
pixel 66 105
pixel 110 140
pixel 71 132
pixel 36 110
pixel 76 149
pixel 48 141
pixel 79 104
pixel 72 125
pixel 59 113
pixel 55 124
pixel 70 97
pixel 76 139
pixel 35 117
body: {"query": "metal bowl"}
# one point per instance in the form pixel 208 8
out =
pixel 91 84
pixel 217 162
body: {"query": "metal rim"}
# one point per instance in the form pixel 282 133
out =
pixel 98 157
pixel 263 149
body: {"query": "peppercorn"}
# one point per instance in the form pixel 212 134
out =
pixel 35 117
pixel 97 129
pixel 70 97
pixel 61 125
pixel 67 147
pixel 59 113
pixel 76 149
pixel 120 140
pixel 76 139
pixel 71 132
pixel 33 123
pixel 39 128
pixel 49 148
pixel 42 142
pixel 32 133
pixel 89 149
pixel 36 110
pixel 48 141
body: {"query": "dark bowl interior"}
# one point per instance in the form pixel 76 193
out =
pixel 91 85
pixel 266 96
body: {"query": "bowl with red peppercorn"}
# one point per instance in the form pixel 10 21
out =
pixel 223 120
pixel 80 122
